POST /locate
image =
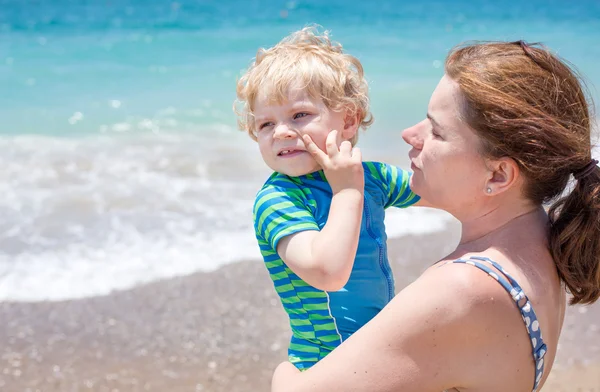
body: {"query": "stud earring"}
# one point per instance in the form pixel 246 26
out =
pixel 489 190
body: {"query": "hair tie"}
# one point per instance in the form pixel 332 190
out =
pixel 586 170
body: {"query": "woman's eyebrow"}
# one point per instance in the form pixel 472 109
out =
pixel 437 124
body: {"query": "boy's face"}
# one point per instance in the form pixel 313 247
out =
pixel 279 130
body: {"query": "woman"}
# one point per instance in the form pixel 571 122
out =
pixel 507 127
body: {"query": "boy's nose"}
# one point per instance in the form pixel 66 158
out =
pixel 283 131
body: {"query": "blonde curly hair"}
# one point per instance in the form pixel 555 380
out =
pixel 311 61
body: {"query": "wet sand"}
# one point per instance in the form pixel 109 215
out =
pixel 217 332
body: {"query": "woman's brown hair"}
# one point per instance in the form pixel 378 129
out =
pixel 527 104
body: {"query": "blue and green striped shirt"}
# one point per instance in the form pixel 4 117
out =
pixel 321 320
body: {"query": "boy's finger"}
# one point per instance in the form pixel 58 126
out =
pixel 357 154
pixel 314 150
pixel 346 148
pixel 331 144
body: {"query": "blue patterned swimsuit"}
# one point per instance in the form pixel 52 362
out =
pixel 522 302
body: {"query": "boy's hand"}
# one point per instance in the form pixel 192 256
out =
pixel 342 165
pixel 325 258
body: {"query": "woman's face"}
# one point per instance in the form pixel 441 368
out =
pixel 449 170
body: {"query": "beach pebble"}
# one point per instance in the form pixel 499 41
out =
pixel 111 377
pixel 170 374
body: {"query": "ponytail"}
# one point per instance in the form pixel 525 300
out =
pixel 575 237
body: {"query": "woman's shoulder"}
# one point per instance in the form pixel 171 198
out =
pixel 455 311
pixel 482 297
pixel 470 281
pixel 478 317
pixel 492 278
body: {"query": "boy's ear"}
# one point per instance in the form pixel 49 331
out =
pixel 351 122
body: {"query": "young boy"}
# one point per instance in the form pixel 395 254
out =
pixel 319 218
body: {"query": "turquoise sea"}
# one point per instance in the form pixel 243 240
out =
pixel 120 159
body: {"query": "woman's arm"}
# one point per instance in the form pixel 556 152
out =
pixel 423 203
pixel 429 338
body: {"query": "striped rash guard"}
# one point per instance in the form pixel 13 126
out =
pixel 321 320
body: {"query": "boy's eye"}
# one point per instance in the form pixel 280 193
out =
pixel 300 115
pixel 263 125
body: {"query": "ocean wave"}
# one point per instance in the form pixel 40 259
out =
pixel 86 216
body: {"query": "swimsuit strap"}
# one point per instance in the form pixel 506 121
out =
pixel 522 302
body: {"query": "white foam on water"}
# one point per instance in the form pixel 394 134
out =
pixel 86 216
pixel 128 257
pixel 127 260
pixel 415 220
pixel 83 217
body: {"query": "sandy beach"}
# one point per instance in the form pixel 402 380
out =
pixel 217 332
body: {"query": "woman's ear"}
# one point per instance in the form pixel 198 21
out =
pixel 504 175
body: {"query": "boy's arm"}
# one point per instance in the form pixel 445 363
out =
pixel 324 259
pixel 396 185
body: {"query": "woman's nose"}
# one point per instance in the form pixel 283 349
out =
pixel 413 136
